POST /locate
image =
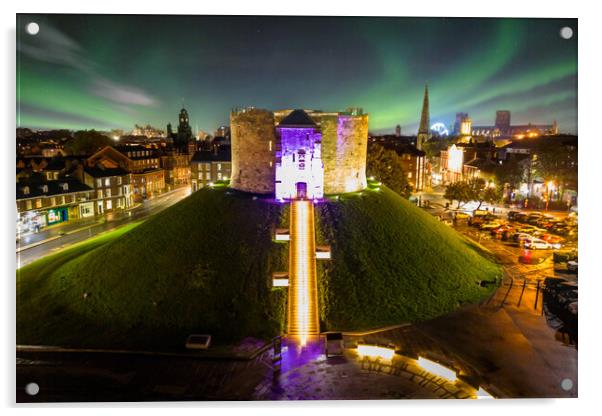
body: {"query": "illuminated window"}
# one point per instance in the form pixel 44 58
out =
pixel 99 194
pixel 28 204
pixel 107 181
pixel 108 193
pixel 38 203
pixel 109 204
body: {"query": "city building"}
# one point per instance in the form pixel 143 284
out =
pixel 526 153
pixel 42 203
pixel 147 179
pixel 147 183
pixel 111 184
pixel 183 139
pixel 209 166
pixel 465 160
pixel 413 161
pixel 223 131
pixel 257 146
pixel 176 167
pixel 424 129
pixel 504 129
pixel 147 131
pixel 458 123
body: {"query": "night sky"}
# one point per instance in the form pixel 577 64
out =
pixel 104 72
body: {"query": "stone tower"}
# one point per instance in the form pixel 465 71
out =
pixel 184 134
pixel 253 138
pixel 424 128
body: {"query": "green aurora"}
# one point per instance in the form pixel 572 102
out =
pixel 104 71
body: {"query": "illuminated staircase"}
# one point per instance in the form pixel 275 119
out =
pixel 303 292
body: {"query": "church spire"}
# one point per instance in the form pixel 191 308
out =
pixel 424 129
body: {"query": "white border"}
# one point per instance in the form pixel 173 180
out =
pixel 590 70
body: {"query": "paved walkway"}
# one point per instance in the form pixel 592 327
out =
pixel 308 375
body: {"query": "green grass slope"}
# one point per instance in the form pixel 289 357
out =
pixel 204 266
pixel 393 262
pixel 201 266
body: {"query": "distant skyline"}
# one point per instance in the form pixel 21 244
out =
pixel 115 71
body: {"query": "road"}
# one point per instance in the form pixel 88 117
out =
pixel 438 202
pixel 50 241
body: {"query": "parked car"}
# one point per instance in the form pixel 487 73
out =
pixel 552 239
pixel 461 215
pixel 501 229
pixel 519 237
pixel 512 215
pixel 572 265
pixel 520 217
pixel 488 226
pixel 536 244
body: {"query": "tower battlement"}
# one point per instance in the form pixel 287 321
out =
pixel 324 152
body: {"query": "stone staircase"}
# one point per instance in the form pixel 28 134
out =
pixel 303 292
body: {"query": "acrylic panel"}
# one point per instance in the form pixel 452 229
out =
pixel 295 208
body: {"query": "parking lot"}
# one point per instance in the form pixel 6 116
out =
pixel 537 280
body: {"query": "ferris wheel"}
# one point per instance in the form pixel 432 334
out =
pixel 439 129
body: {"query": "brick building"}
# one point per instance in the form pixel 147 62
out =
pixel 207 167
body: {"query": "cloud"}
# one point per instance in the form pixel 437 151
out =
pixel 53 46
pixel 121 94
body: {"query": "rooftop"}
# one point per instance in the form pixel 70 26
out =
pixel 99 171
pixel 297 118
pixel 56 187
pixel 223 154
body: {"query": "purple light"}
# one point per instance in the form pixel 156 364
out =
pixel 299 169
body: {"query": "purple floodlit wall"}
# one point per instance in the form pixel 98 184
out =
pixel 344 152
pixel 253 148
pixel 299 161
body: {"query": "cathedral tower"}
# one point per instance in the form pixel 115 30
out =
pixel 424 128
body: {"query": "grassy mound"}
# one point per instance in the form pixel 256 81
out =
pixel 201 266
pixel 204 266
pixel 393 262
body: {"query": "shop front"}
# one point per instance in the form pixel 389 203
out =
pixel 57 215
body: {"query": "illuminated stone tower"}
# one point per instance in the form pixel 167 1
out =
pixel 424 129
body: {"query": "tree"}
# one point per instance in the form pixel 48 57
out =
pixel 558 165
pixel 85 142
pixel 458 191
pixel 433 149
pixel 475 189
pixel 510 174
pixel 386 166
pixel 481 191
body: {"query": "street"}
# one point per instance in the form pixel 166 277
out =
pixel 38 245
